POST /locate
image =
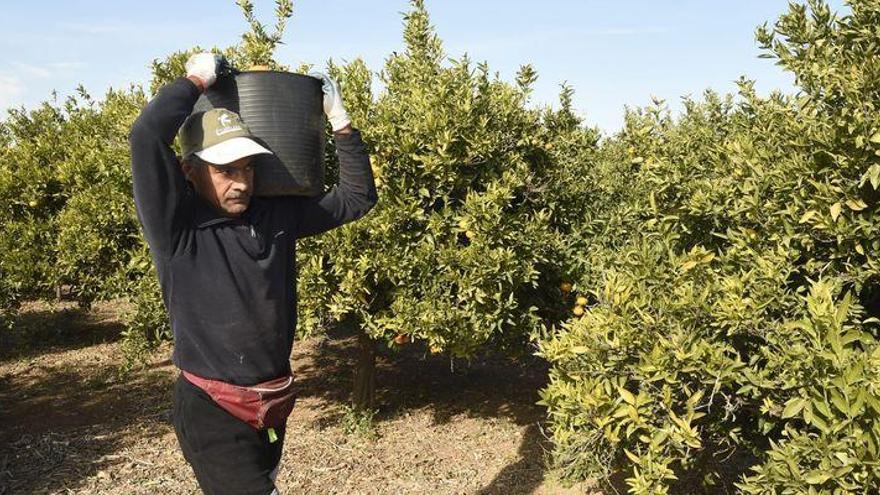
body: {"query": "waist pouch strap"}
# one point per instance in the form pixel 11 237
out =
pixel 264 405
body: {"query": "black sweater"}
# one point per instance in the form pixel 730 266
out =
pixel 229 284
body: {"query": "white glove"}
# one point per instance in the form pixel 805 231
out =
pixel 333 106
pixel 203 66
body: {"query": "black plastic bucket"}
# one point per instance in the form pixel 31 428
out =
pixel 285 112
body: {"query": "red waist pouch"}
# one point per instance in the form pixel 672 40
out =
pixel 264 405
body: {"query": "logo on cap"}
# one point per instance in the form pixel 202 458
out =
pixel 226 125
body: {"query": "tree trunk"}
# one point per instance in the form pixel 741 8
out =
pixel 364 391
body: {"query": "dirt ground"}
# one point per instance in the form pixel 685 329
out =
pixel 69 425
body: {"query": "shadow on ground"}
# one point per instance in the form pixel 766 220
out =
pixel 526 474
pixel 54 327
pixel 62 423
pixel 410 378
pixel 65 412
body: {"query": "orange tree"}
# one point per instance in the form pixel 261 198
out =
pixel 25 183
pixel 733 281
pixel 65 183
pixel 458 253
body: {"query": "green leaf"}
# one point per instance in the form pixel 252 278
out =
pixel 835 211
pixel 793 407
pixel 819 423
pixel 874 175
pixel 816 477
pixel 843 309
pixel 632 457
pixel 688 265
pixel 856 204
pixel 807 216
pixel 627 396
pixel 820 405
pixel 839 402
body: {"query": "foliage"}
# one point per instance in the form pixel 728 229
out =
pixel 146 323
pixel 359 422
pixel 732 283
pixel 453 255
pixel 65 178
pixel 258 46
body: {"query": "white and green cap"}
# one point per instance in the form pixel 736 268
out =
pixel 218 136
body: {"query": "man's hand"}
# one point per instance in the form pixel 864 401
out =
pixel 333 106
pixel 201 68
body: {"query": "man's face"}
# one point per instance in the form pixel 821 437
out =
pixel 227 187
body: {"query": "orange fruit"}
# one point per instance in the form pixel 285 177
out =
pixel 401 339
pixel 565 286
pixel 581 301
pixel 435 349
pixel 578 310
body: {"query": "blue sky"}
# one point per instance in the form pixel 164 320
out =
pixel 612 53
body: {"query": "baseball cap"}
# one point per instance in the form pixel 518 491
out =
pixel 218 136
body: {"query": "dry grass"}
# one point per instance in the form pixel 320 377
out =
pixel 71 426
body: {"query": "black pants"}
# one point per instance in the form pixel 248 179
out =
pixel 227 455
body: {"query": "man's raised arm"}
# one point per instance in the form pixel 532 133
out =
pixel 356 192
pixel 159 183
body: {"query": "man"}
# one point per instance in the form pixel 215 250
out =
pixel 226 264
